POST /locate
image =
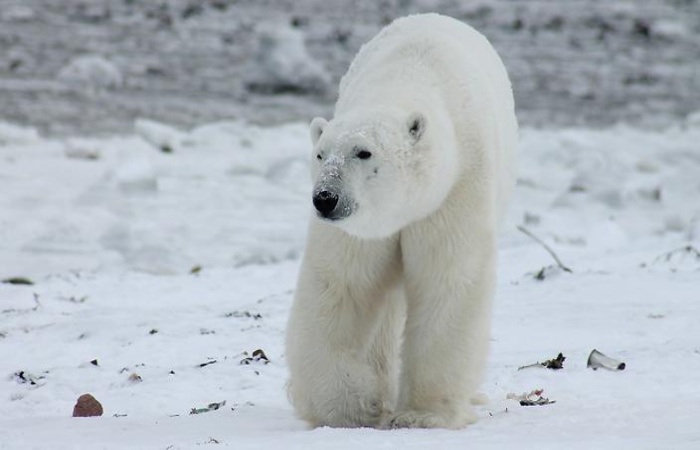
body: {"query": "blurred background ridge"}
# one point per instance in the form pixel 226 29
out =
pixel 92 66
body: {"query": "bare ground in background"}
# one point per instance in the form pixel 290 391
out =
pixel 578 62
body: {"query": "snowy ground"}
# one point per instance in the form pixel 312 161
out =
pixel 110 230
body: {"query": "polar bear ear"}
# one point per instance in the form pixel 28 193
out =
pixel 316 129
pixel 416 126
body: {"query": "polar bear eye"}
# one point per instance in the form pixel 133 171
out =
pixel 364 154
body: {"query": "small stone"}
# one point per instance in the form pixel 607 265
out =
pixel 87 406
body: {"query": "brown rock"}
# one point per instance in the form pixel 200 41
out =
pixel 87 406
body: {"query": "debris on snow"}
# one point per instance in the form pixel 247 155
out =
pixel 135 378
pixel 257 357
pixel 532 398
pixel 598 360
pixel 686 257
pixel 24 377
pixel 208 363
pixel 18 280
pixel 36 306
pixel 208 408
pixel 554 363
pixel 546 272
pixel 87 406
pixel 498 413
pixel 243 314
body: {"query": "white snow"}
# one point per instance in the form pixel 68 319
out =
pixel 109 229
pixel 92 71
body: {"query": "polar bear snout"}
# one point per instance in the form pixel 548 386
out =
pixel 331 203
pixel 325 203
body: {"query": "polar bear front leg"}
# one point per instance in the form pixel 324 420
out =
pixel 449 279
pixel 342 301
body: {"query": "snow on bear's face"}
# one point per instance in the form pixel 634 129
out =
pixel 373 175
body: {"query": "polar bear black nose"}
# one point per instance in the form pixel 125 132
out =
pixel 325 202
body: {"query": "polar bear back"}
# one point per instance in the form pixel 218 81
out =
pixel 433 63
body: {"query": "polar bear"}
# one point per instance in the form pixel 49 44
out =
pixel 391 317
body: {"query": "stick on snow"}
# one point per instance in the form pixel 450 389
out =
pixel 546 247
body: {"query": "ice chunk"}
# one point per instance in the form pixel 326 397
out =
pixel 93 70
pixel 281 63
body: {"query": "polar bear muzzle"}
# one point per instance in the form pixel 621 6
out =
pixel 325 202
pixel 330 204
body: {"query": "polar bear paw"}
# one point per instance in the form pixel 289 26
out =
pixel 362 411
pixel 421 419
pixel 416 419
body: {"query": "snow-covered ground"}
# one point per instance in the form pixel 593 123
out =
pixel 162 259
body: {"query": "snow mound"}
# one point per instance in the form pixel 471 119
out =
pixel 15 134
pixel 136 174
pixel 282 63
pixel 93 70
pixel 164 137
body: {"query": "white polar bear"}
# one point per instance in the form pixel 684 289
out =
pixel 391 318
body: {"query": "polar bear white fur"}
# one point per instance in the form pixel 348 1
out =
pixel 391 318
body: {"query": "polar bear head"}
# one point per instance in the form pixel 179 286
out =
pixel 373 174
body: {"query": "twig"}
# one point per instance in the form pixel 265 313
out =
pixel 529 233
pixel 689 249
